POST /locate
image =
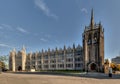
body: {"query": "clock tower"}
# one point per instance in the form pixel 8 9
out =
pixel 93 46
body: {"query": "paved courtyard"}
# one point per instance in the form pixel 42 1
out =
pixel 11 78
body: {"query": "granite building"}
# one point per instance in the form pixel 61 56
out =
pixel 90 57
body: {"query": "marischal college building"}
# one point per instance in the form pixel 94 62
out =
pixel 90 57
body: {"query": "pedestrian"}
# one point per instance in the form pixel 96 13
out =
pixel 87 71
pixel 110 72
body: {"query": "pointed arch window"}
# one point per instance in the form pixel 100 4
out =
pixel 95 37
pixel 89 39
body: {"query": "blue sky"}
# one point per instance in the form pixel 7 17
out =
pixel 46 24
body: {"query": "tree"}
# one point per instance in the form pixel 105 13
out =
pixel 2 65
pixel 4 58
pixel 113 66
pixel 118 67
pixel 106 61
pixel 3 61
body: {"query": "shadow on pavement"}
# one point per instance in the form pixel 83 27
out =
pixel 85 75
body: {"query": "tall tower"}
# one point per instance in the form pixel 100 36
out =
pixel 93 46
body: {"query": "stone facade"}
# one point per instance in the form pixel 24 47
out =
pixel 88 58
pixel 17 60
pixel 55 59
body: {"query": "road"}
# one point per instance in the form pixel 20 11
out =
pixel 11 78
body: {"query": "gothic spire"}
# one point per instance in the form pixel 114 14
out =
pixel 23 48
pixel 92 19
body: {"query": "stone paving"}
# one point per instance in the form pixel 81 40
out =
pixel 11 78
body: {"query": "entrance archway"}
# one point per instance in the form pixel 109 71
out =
pixel 19 68
pixel 93 67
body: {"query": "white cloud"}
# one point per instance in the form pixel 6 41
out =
pixel 7 26
pixel 84 10
pixel 22 30
pixel 5 45
pixel 42 6
pixel 43 39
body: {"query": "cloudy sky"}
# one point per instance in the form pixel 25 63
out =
pixel 46 24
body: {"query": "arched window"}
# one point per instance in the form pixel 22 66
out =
pixel 95 34
pixel 89 39
pixel 95 37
